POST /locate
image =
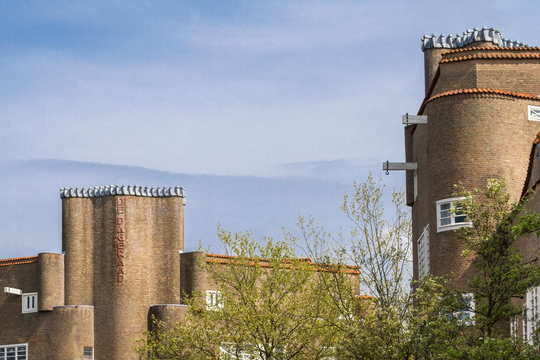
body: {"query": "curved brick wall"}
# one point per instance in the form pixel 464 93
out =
pixel 169 313
pixel 70 329
pixel 193 277
pixel 122 287
pixel 470 138
pixel 78 244
pixel 50 281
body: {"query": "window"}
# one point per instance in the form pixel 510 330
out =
pixel 231 351
pixel 448 217
pixel 14 352
pixel 29 303
pixel 88 353
pixel 531 315
pixel 228 351
pixel 214 300
pixel 533 113
pixel 514 331
pixel 466 314
pixel 423 253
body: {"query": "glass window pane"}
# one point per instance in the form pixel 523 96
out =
pixel 445 221
pixel 445 206
pixel 461 219
pixel 445 214
pixel 10 352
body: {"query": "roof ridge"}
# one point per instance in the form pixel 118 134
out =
pixel 484 91
pixel 491 56
pixel 349 269
pixel 303 259
pixel 19 258
pixel 493 48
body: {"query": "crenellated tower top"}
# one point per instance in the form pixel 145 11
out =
pixel 123 190
pixel 469 36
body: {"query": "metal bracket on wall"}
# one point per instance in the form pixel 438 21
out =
pixel 413 119
pixel 10 290
pixel 388 166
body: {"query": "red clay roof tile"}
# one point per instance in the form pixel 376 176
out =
pixel 491 56
pixel 226 259
pixel 483 91
pixel 19 260
pixel 494 48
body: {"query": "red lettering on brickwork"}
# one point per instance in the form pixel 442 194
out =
pixel 120 239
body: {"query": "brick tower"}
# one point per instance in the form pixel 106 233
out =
pixel 481 103
pixel 122 247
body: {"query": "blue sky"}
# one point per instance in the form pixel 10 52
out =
pixel 298 89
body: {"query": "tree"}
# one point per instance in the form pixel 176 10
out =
pixel 435 327
pixel 501 274
pixel 272 308
pixel 380 248
pixel 277 305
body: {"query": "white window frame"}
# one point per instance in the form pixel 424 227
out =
pixel 423 254
pixel 514 330
pixel 467 313
pixel 88 356
pixel 453 225
pixel 228 351
pixel 18 356
pixel 32 299
pixel 531 314
pixel 533 113
pixel 214 300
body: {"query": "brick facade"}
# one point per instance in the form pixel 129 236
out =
pixel 121 261
pixel 477 99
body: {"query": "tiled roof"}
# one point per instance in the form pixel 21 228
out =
pixel 484 91
pixel 227 259
pixel 19 260
pixel 492 56
pixel 493 48
pixel 364 297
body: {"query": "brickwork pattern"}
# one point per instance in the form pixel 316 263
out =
pixel 153 238
pixel 58 333
pixel 470 137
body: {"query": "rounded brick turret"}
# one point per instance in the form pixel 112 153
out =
pixel 131 238
pixel 71 330
pixel 50 281
pixel 478 127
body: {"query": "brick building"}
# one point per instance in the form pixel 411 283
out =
pixel 122 262
pixel 482 105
